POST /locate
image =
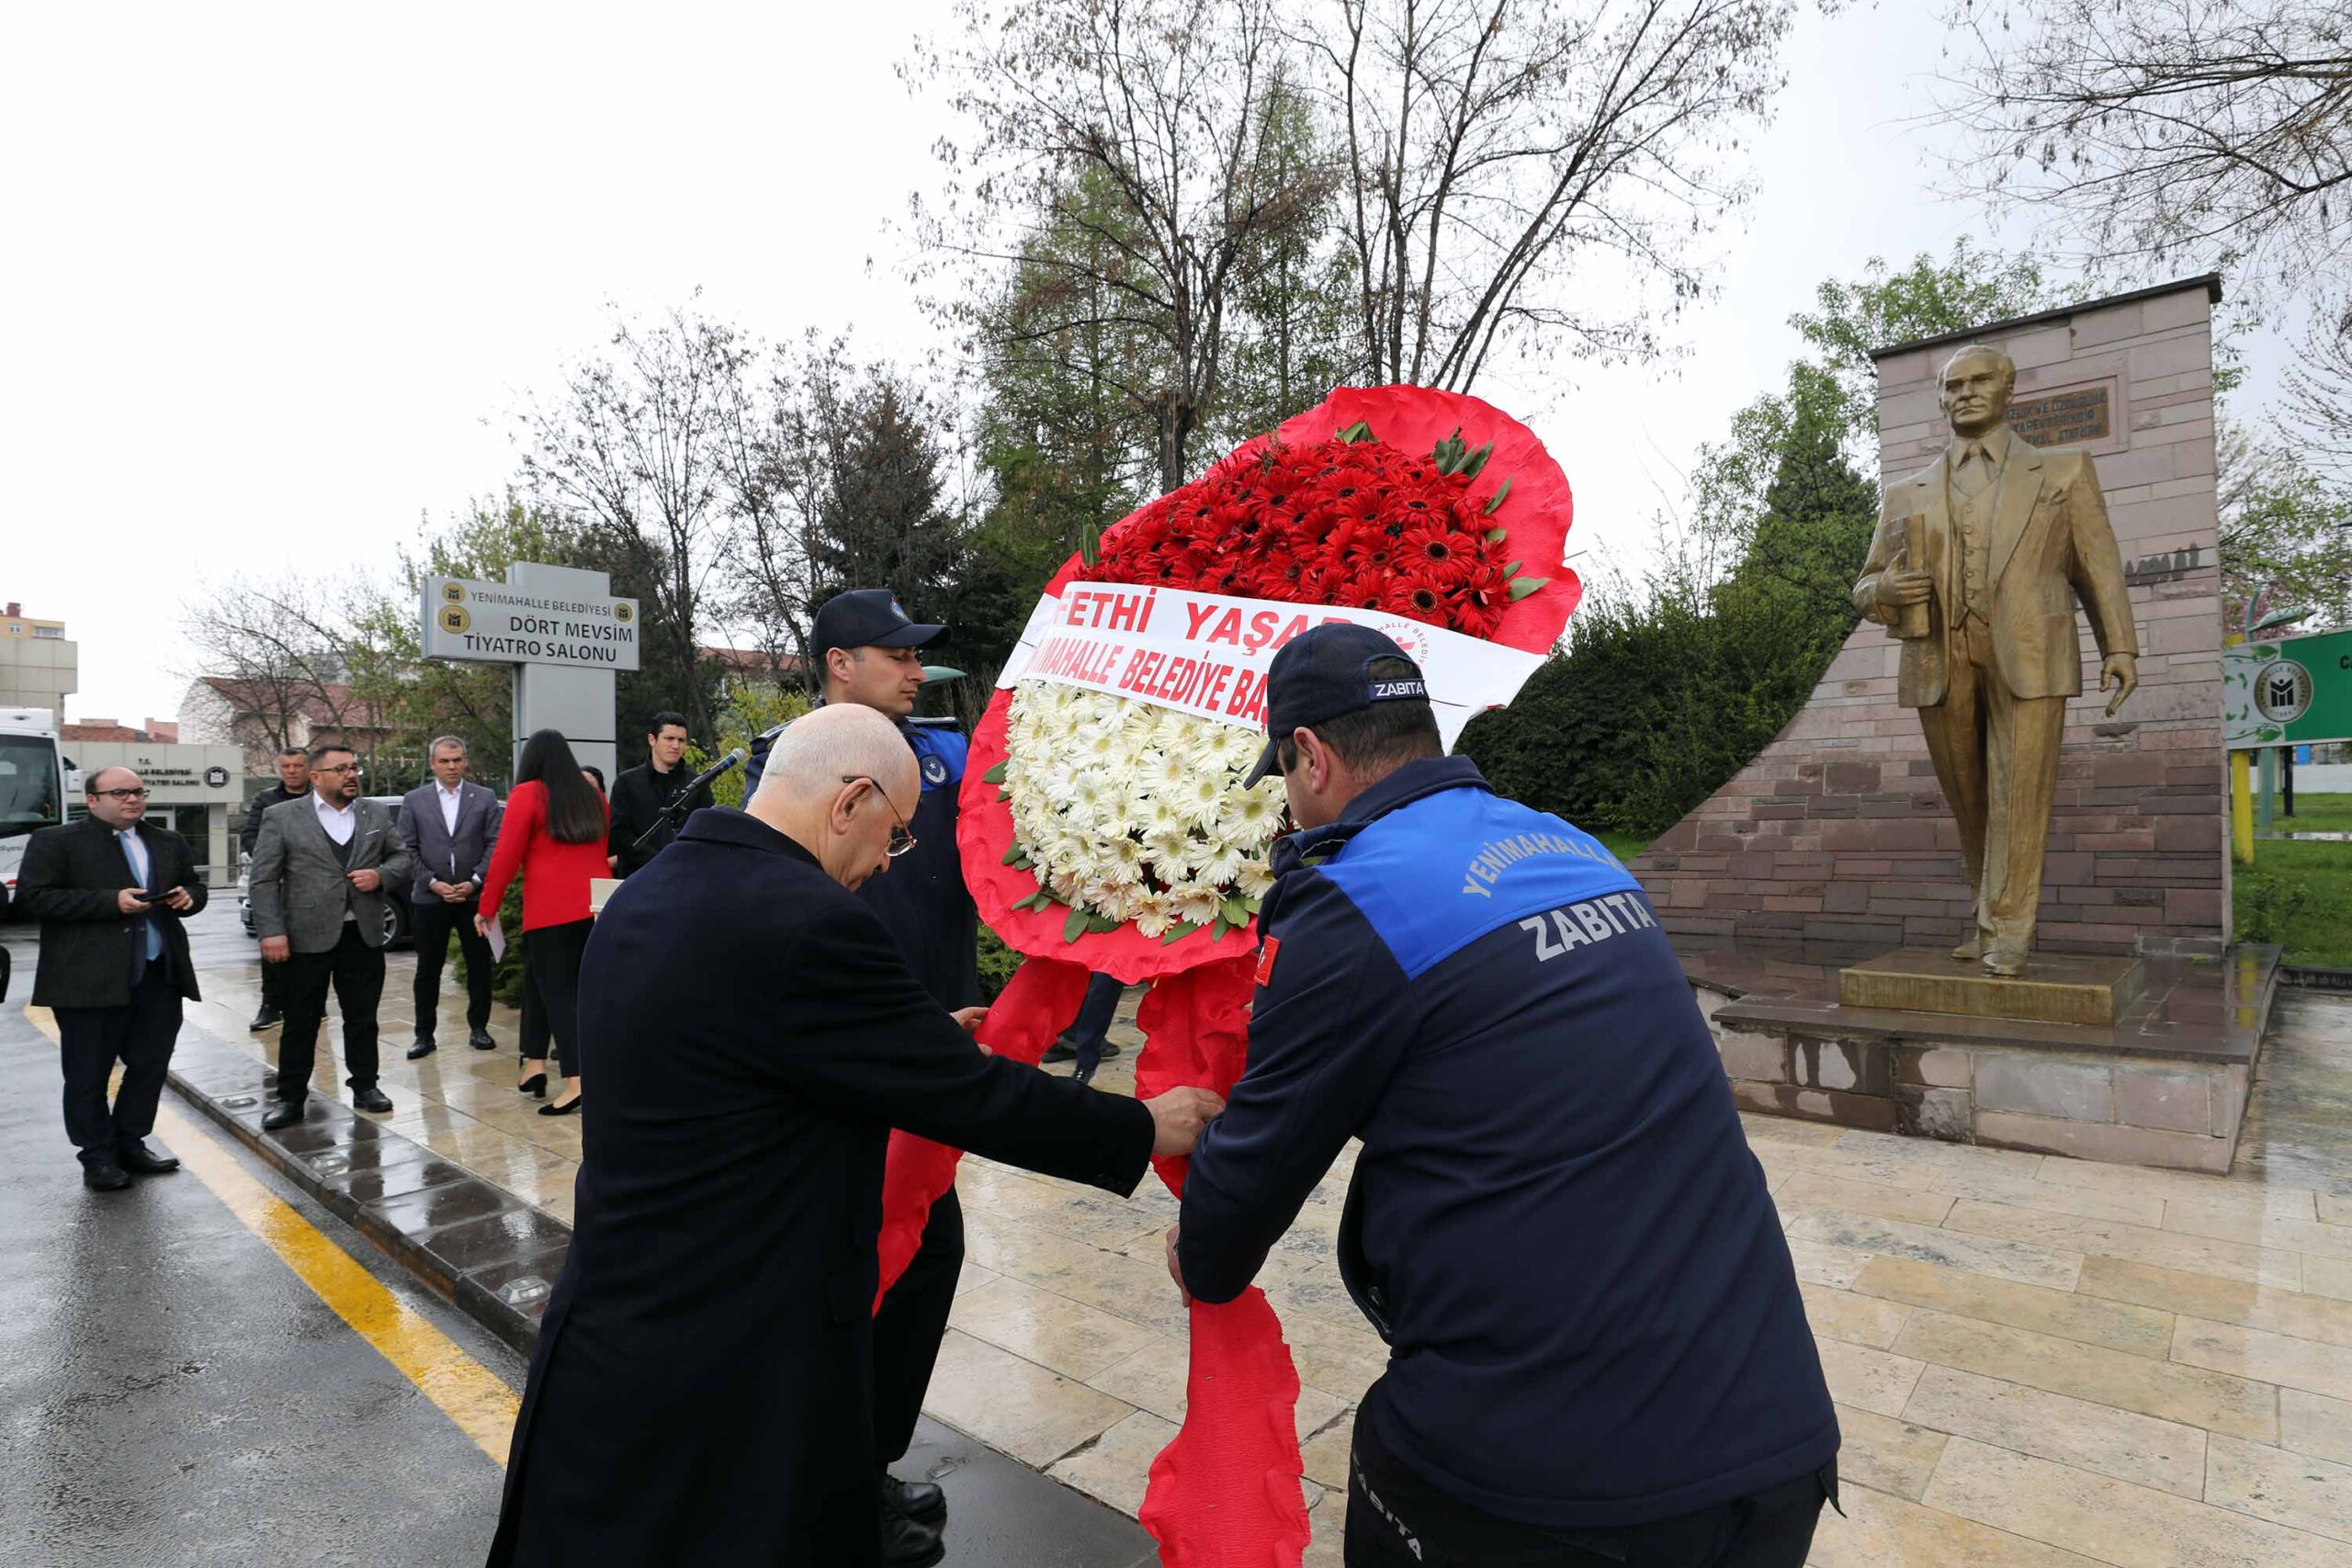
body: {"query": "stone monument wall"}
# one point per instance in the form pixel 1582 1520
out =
pixel 1837 831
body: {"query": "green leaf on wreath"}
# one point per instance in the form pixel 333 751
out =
pixel 1359 430
pixel 1497 500
pixel 1178 932
pixel 1003 794
pixel 1217 929
pixel 996 775
pixel 1075 927
pixel 1101 925
pixel 1478 459
pixel 1526 585
pixel 1511 570
pixel 1497 536
pixel 1011 856
pixel 1235 912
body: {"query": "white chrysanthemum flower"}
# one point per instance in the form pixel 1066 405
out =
pixel 1133 811
pixel 1194 904
pixel 1153 915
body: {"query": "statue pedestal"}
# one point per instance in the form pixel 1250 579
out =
pixel 2143 1060
pixel 2054 988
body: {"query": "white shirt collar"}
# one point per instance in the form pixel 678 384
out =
pixel 319 804
pixel 455 789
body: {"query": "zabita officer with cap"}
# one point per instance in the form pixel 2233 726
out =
pixel 1598 1349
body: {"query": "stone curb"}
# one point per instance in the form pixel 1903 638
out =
pixel 472 1243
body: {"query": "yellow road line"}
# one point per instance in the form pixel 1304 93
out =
pixel 469 1394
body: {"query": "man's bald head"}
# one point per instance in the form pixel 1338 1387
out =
pixel 839 781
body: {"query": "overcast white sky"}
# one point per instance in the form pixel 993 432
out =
pixel 274 276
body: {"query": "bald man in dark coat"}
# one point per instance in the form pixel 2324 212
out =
pixel 700 1392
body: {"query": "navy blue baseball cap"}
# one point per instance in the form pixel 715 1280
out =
pixel 1323 674
pixel 868 618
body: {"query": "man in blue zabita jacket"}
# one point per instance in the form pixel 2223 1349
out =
pixel 1598 1349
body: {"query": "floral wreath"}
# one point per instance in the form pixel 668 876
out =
pixel 1106 833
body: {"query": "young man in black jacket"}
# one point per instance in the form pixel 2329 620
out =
pixel 293 783
pixel 110 892
pixel 640 795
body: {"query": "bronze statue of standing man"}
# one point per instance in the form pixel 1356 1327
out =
pixel 1971 566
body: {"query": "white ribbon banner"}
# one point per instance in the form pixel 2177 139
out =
pixel 1207 655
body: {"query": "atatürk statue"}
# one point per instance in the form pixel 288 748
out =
pixel 1971 566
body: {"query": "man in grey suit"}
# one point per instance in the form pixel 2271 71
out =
pixel 323 867
pixel 447 828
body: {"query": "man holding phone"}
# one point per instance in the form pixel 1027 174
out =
pixel 110 892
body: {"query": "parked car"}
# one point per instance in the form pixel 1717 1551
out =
pixel 396 916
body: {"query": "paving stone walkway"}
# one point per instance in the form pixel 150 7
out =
pixel 2037 1360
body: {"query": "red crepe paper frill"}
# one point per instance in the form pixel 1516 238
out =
pixel 1304 516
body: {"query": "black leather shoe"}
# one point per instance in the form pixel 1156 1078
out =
pixel 140 1160
pixel 1062 1050
pixel 536 1083
pixel 114 1178
pixel 562 1107
pixel 374 1099
pixel 285 1113
pixel 264 1018
pixel 908 1544
pixel 422 1048
pixel 481 1041
pixel 917 1500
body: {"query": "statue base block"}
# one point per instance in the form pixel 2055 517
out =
pixel 2165 1083
pixel 2055 987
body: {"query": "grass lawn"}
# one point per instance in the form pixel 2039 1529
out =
pixel 2298 895
pixel 1624 846
pixel 2313 813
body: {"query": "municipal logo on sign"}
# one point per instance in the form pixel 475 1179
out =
pixel 453 592
pixel 2282 691
pixel 455 617
pixel 216 778
pixel 934 770
pixel 623 614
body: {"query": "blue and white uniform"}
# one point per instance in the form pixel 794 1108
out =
pixel 1554 1220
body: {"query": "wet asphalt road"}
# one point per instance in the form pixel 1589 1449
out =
pixel 172 1392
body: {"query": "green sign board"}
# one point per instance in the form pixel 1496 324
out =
pixel 2288 693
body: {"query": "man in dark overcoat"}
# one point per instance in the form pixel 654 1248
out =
pixel 110 892
pixel 701 1393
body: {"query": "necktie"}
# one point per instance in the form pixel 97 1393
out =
pixel 134 852
pixel 1975 470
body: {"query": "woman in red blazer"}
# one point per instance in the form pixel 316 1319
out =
pixel 553 834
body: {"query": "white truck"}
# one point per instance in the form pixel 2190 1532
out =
pixel 35 783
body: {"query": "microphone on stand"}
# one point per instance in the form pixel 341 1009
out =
pixel 730 759
pixel 676 807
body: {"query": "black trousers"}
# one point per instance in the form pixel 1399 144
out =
pixel 139 1036
pixel 432 921
pixel 907 1329
pixel 273 987
pixel 1087 1032
pixel 1396 1519
pixel 552 956
pixel 356 972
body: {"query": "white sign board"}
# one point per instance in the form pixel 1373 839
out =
pixel 493 623
pixel 1208 655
